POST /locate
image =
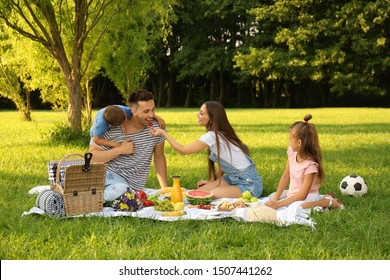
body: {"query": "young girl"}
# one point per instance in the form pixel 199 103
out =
pixel 304 174
pixel 303 171
pixel 236 171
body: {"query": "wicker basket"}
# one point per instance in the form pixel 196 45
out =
pixel 83 186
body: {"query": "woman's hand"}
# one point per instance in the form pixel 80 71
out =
pixel 155 131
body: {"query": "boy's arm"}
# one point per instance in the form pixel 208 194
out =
pixel 104 142
pixel 161 122
pixel 100 155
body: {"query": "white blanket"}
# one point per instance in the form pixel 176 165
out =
pixel 286 216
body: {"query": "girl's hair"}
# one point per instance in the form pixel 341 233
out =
pixel 114 115
pixel 310 147
pixel 220 125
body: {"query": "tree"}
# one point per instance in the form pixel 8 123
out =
pixel 341 46
pixel 62 28
pixel 12 89
pixel 10 85
pixel 196 62
pixel 209 32
pixel 124 51
pixel 34 68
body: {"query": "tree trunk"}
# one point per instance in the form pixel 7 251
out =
pixel 161 87
pixel 28 105
pixel 75 104
pixel 278 86
pixel 155 90
pixel 213 86
pixel 170 89
pixel 72 78
pixel 266 93
pixel 88 104
pixel 239 95
pixel 189 94
pixel 221 87
pixel 25 106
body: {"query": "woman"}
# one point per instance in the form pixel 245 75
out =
pixel 236 171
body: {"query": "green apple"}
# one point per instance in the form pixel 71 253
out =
pixel 247 195
pixel 254 199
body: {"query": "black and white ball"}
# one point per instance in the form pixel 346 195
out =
pixel 353 185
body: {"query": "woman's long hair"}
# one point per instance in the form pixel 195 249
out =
pixel 310 148
pixel 220 125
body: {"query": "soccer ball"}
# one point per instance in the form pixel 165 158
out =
pixel 353 185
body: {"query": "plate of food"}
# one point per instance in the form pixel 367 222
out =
pixel 230 206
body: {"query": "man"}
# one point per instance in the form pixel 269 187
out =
pixel 129 163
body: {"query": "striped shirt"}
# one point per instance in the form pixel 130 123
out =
pixel 135 167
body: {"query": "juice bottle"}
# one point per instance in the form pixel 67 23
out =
pixel 176 195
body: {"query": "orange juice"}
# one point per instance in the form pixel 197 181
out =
pixel 176 195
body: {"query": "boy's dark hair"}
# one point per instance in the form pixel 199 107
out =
pixel 114 115
pixel 139 95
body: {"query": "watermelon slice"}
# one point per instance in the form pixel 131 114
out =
pixel 196 197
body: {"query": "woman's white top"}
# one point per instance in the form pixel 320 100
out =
pixel 235 156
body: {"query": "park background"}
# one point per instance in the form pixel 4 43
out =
pixel 77 55
pixel 268 62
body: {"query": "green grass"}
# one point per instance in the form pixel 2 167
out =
pixel 354 140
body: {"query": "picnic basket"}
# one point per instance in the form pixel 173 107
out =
pixel 82 186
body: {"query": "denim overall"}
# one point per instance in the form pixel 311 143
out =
pixel 246 180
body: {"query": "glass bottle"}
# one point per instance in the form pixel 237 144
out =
pixel 176 194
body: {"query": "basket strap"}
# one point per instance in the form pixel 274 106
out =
pixel 87 162
pixel 58 182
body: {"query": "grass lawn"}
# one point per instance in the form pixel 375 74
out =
pixel 354 140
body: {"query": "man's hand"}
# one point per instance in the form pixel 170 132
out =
pixel 161 122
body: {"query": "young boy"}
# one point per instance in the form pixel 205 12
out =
pixel 108 117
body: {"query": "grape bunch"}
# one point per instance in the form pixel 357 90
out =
pixel 163 205
pixel 153 198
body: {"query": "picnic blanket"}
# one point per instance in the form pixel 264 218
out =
pixel 286 216
pixel 51 202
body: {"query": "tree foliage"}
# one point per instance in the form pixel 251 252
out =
pixel 13 90
pixel 245 53
pixel 62 28
pixel 124 51
pixel 71 32
pixel 197 60
pixel 342 44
